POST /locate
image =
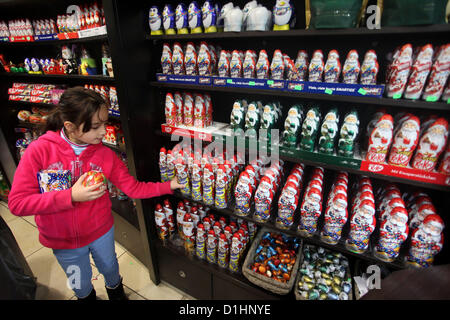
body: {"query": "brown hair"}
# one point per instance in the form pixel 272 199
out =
pixel 77 105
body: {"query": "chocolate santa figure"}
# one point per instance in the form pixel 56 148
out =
pixel 424 211
pixel 211 246
pixel 301 64
pixel 335 218
pixel 380 139
pixel 439 75
pixel 431 145
pixel 170 110
pixel 332 69
pixel 161 223
pixel 369 68
pixel 196 178
pixel 316 67
pixel 419 72
pixel 223 251
pixel 181 211
pixel 163 165
pixel 221 200
pixel 235 252
pixel 310 211
pixel 263 200
pixel 393 232
pixel 287 204
pixel 200 241
pixel 426 241
pixel 328 131
pixel 399 71
pixel 243 193
pixel 166 59
pixel 178 59
pixel 292 126
pixel 208 185
pixel 168 211
pixel 183 176
pixel 444 167
pixel 405 142
pixel 188 233
pixel 349 132
pixel 350 71
pixel 262 65
pixel 310 128
pixel 170 168
pixel 190 60
pixel 362 224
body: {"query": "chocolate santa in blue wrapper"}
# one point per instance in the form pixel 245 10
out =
pixel 163 165
pixel 181 19
pixel 195 17
pixel 222 251
pixel 208 185
pixel 209 16
pixel 200 241
pixel 196 177
pixel 155 21
pixel 211 246
pixel 235 252
pixel 168 16
pixel 221 184
pixel 183 176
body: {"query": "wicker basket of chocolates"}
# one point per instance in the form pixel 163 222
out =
pixel 323 275
pixel 272 261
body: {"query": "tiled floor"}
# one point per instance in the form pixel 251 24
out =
pixel 51 278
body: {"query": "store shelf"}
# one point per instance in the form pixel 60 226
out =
pixel 50 77
pixel 315 240
pixel 300 33
pixel 356 100
pixel 103 37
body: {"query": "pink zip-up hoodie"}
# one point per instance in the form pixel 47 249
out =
pixel 64 224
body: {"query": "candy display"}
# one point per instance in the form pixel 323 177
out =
pixel 35 93
pixel 323 275
pixel 54 180
pixel 188 110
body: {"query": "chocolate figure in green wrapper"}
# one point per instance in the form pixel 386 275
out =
pixel 329 131
pixel 252 118
pixel 270 116
pixel 292 126
pixel 310 128
pixel 237 116
pixel 348 134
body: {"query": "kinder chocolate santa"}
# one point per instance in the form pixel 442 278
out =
pixel 438 76
pixel 200 241
pixel 350 71
pixel 235 252
pixel 420 214
pixel 190 60
pixel 199 111
pixel 252 118
pixel 221 200
pixel 208 185
pixel 419 72
pixel 223 66
pixel 290 69
pixel 188 113
pixel 277 66
pixel 243 193
pixel 335 218
pixel 166 59
pixel 179 107
pixel 332 69
pixel 292 126
pixel 301 64
pixel 328 131
pixel 223 251
pixel 399 72
pixel 393 232
pixel 196 178
pixel 310 211
pixel 204 60
pixel 369 68
pixel 178 59
pixel 262 65
pixel 362 224
pixel 349 132
pixel 316 67
pixel 168 211
pixel 237 116
pixel 310 128
pixel 188 233
pixel 211 246
pixel 170 168
pixel 431 145
pixel 163 165
pixel 380 139
pixel 170 110
pixel 405 142
pixel 183 176
pixel 263 199
pixel 249 65
pixel 161 223
pixel 209 110
pixel 181 211
pixel 426 241
pixel 236 64
pixel 287 204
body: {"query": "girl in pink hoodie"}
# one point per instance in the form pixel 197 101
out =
pixel 77 222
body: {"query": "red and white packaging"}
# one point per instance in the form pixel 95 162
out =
pixel 351 69
pixel 277 66
pixel 332 69
pixel 214 58
pixel 188 113
pixel 439 74
pixel 290 69
pixel 209 110
pixel 419 72
pixel 249 65
pixel 190 60
pixel 431 145
pixel 204 61
pixel 262 65
pixel 316 67
pixel 380 139
pixel 178 59
pixel 444 167
pixel 179 108
pixel 236 64
pixel 199 111
pixel 399 72
pixel 170 110
pixel 223 66
pixel 301 64
pixel 168 211
pixel 405 142
pixel 369 68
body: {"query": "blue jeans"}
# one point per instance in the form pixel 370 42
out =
pixel 77 266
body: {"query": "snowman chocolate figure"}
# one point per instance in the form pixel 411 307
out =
pixel 168 19
pixel 426 241
pixel 348 134
pixel 292 126
pixel 328 132
pixel 310 127
pixel 283 15
pixel 195 17
pixel 209 16
pixel 181 19
pixel 155 21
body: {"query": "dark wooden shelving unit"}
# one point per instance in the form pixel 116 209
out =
pixel 15 76
pixel 103 37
